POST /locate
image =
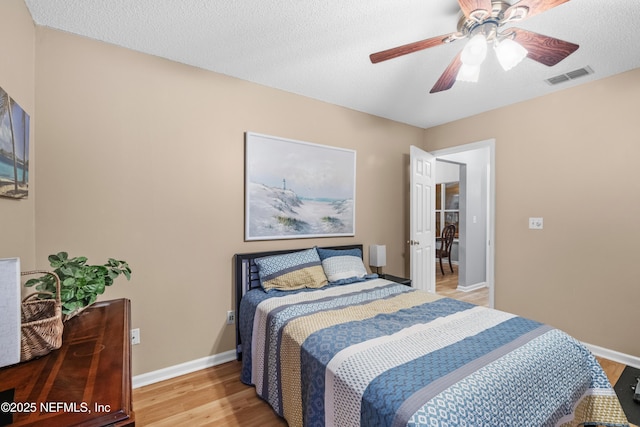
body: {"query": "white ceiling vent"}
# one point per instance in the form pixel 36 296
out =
pixel 571 75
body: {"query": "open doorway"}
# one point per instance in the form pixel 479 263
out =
pixel 473 255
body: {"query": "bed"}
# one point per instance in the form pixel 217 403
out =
pixel 326 344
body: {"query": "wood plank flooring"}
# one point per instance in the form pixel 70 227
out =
pixel 216 397
pixel 209 397
pixel 447 285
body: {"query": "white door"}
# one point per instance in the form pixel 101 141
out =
pixel 422 220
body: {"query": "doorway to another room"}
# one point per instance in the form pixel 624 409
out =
pixel 464 198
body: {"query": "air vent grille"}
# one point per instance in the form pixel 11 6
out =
pixel 558 79
pixel 571 75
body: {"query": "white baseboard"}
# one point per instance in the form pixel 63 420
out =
pixel 616 356
pixel 473 287
pixel 182 369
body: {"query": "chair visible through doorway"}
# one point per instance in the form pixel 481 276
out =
pixel 446 242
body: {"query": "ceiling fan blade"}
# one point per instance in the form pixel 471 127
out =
pixel 408 48
pixel 448 77
pixel 534 7
pixel 469 6
pixel 544 49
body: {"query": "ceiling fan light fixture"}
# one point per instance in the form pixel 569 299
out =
pixel 510 53
pixel 480 23
pixel 475 51
pixel 469 73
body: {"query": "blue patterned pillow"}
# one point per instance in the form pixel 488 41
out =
pixel 288 272
pixel 344 269
pixel 328 253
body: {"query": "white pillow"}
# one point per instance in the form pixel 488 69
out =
pixel 343 267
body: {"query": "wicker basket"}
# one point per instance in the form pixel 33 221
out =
pixel 41 322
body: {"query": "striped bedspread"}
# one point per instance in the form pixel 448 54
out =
pixel 378 353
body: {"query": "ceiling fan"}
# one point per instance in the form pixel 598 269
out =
pixel 481 23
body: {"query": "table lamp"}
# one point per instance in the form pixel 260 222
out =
pixel 377 257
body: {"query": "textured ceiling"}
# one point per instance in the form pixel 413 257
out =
pixel 320 49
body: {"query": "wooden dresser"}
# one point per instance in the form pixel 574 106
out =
pixel 87 382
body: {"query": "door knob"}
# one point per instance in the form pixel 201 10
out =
pixel 413 242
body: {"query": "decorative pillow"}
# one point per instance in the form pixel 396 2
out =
pixel 328 253
pixel 344 269
pixel 289 272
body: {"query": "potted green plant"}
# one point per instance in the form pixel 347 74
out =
pixel 80 284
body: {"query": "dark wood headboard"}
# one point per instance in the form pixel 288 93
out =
pixel 246 278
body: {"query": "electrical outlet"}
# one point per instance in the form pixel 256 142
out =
pixel 535 223
pixel 135 336
pixel 231 317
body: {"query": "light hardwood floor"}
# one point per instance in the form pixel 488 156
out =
pixel 209 397
pixel 216 397
pixel 447 285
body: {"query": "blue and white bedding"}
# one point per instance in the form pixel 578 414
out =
pixel 377 353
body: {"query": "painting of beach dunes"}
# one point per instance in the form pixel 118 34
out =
pixel 14 148
pixel 296 189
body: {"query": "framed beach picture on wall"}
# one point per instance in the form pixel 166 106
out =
pixel 296 189
pixel 14 148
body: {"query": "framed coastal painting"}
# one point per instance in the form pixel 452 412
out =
pixel 296 189
pixel 14 148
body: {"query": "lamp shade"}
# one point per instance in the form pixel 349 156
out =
pixel 10 318
pixel 475 51
pixel 468 73
pixel 510 53
pixel 377 255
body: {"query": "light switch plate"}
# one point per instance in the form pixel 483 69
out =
pixel 535 223
pixel 135 336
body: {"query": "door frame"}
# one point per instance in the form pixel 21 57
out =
pixel 491 204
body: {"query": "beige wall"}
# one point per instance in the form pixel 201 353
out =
pixel 572 158
pixel 17 64
pixel 142 159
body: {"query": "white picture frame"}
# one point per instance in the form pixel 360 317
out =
pixel 296 189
